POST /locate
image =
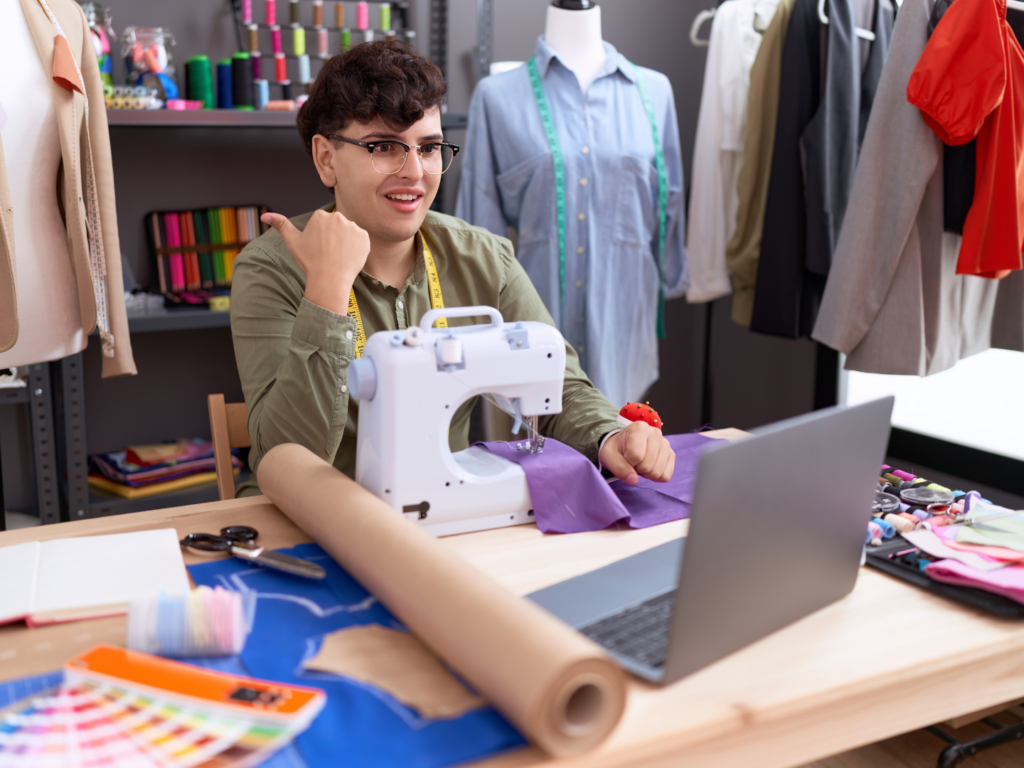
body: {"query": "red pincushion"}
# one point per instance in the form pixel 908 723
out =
pixel 639 412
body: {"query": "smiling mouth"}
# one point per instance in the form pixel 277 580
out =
pixel 403 198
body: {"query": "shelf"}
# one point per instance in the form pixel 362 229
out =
pixel 177 320
pixel 13 395
pixel 102 504
pixel 229 118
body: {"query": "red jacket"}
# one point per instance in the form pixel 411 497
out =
pixel 968 83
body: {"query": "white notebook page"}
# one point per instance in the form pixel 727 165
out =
pixel 17 580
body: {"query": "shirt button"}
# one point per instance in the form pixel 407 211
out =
pixel 583 182
pixel 582 216
pixel 580 348
pixel 585 150
pixel 580 249
pixel 348 335
pixel 399 304
pixel 344 388
pixel 579 283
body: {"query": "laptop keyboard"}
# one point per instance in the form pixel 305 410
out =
pixel 639 632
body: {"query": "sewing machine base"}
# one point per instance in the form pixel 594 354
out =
pixel 453 527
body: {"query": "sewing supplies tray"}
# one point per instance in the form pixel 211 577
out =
pixel 905 567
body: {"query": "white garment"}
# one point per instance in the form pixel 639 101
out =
pixel 718 149
pixel 48 309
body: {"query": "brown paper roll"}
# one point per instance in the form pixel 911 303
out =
pixel 556 686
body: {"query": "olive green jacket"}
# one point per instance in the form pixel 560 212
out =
pixel 293 355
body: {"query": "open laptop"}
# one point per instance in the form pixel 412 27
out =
pixel 776 532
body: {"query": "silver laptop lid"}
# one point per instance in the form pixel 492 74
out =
pixel 776 530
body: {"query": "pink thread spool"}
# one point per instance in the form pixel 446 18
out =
pixel 876 533
pixel 321 43
pixel 280 67
pixel 257 67
pixel 362 15
pixel 270 12
pixel 247 11
pixel 275 40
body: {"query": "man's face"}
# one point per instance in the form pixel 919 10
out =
pixel 390 207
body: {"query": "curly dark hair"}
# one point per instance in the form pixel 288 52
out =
pixel 386 79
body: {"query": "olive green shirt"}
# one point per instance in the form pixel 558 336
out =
pixel 293 355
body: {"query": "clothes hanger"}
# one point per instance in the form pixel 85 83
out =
pixel 1015 5
pixel 863 34
pixel 698 20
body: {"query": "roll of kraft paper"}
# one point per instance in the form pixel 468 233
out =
pixel 554 685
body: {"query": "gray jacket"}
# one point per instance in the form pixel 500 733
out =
pixel 893 302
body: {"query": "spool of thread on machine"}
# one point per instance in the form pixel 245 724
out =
pixel 198 622
pixel 224 81
pixel 362 15
pixel 270 12
pixel 241 81
pixel 199 74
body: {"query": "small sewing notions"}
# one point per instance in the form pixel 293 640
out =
pixel 926 496
pixel 884 503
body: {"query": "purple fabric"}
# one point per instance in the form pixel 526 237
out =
pixel 570 496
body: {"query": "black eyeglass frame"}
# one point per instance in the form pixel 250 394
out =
pixel 369 146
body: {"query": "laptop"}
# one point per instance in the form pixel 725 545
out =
pixel 777 531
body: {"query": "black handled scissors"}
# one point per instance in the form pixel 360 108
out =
pixel 240 541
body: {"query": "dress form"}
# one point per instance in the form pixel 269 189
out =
pixel 575 36
pixel 50 324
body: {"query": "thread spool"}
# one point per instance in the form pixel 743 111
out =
pixel 920 514
pixel 257 65
pixel 280 67
pixel 286 92
pixel 298 40
pixel 902 475
pixel 339 15
pixel 969 499
pixel 304 69
pixel 261 93
pixel 909 518
pixel 198 622
pixel 899 523
pixel 362 15
pixel 275 40
pixel 241 81
pixel 367 35
pixel 254 37
pixel 385 15
pixel 391 34
pixel 875 533
pixel 281 105
pixel 247 11
pixel 270 12
pixel 293 12
pixel 888 529
pixel 224 80
pixel 318 13
pixel 346 39
pixel 322 44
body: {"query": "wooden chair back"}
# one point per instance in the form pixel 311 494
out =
pixel 229 430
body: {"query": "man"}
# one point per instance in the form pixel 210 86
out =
pixel 301 292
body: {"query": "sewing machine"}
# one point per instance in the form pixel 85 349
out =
pixel 409 385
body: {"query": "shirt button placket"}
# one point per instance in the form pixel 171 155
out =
pixel 400 311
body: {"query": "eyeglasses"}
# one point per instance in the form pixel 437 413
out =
pixel 389 156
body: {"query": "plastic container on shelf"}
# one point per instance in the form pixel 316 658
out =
pixel 99 20
pixel 148 60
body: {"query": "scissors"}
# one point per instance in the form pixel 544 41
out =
pixel 240 541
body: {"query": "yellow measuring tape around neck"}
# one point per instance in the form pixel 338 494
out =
pixel 436 299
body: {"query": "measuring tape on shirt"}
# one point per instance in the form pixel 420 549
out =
pixel 436 299
pixel 559 163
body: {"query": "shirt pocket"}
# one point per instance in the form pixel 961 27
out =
pixel 636 213
pixel 527 193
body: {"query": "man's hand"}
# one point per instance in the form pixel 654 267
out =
pixel 331 251
pixel 639 449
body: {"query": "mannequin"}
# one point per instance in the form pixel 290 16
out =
pixel 48 307
pixel 573 30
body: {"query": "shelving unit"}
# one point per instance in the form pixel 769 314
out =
pixel 177 320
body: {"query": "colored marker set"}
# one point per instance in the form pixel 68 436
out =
pixel 121 708
pixel 200 622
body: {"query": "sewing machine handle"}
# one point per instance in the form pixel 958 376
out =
pixel 428 319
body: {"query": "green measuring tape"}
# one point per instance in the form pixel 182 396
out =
pixel 559 163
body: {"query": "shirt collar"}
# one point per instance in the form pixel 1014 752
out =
pixel 613 60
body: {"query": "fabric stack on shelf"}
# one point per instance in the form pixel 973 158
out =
pixel 147 470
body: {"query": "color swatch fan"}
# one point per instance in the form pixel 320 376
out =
pixel 121 708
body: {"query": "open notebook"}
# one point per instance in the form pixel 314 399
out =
pixel 89 577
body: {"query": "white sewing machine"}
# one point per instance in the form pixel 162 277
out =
pixel 409 385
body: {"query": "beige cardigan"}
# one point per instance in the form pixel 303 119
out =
pixel 79 139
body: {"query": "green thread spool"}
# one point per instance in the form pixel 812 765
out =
pixel 298 40
pixel 385 15
pixel 346 39
pixel 199 73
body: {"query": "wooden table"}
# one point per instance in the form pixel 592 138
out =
pixel 885 660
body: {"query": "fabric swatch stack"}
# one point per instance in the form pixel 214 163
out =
pixel 147 470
